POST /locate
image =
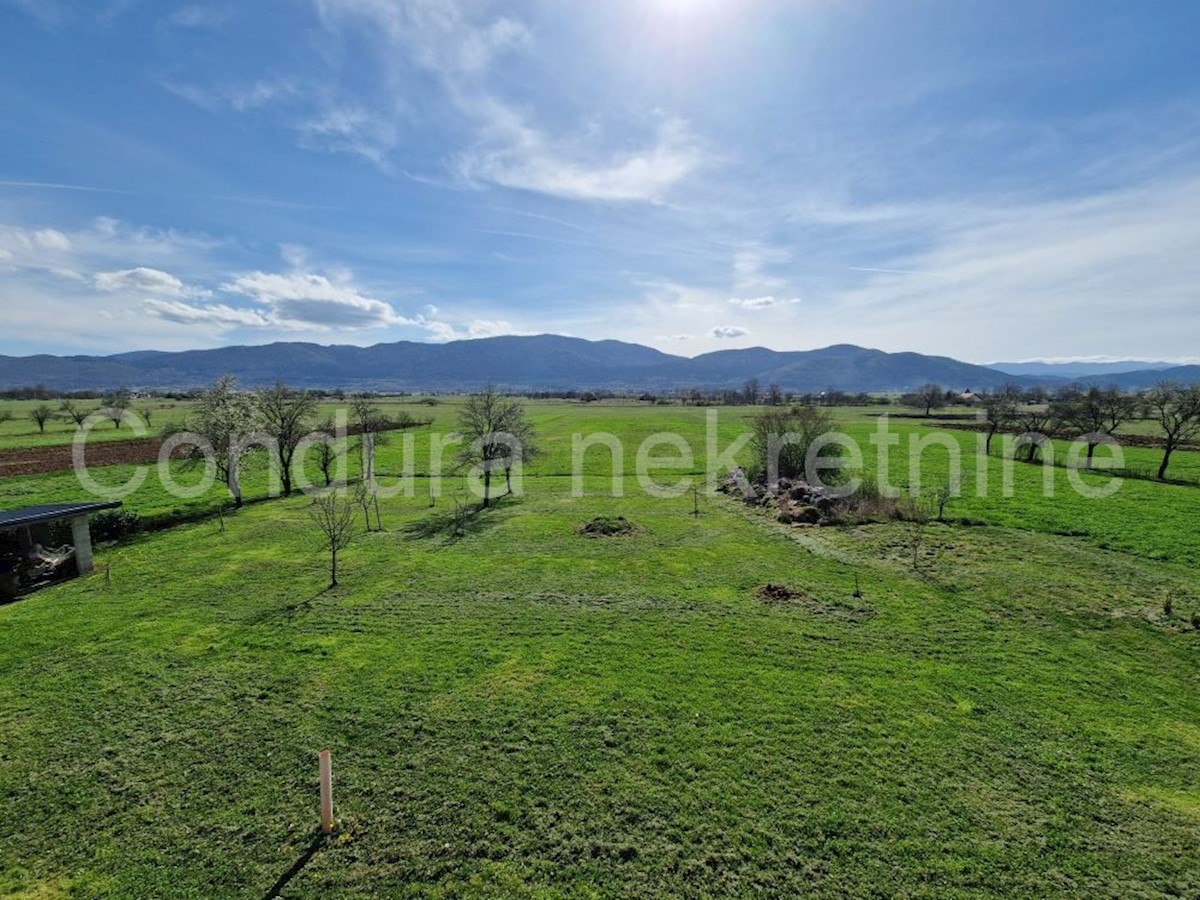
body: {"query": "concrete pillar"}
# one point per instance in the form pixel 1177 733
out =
pixel 83 544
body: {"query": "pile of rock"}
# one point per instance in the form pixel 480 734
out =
pixel 796 501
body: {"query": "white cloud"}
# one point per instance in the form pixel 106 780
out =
pixel 436 35
pixel 311 300
pixel 350 128
pixel 145 280
pixel 1070 267
pixel 515 155
pixel 728 331
pixel 761 302
pixel 197 15
pixel 51 239
pixel 215 314
pixel 510 151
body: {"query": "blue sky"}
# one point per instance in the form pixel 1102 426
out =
pixel 988 181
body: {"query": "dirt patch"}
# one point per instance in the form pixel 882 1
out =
pixel 47 460
pixel 57 458
pixel 607 526
pixel 782 595
pixel 777 593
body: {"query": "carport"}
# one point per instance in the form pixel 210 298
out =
pixel 34 560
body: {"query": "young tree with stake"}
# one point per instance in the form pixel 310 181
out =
pixel 333 516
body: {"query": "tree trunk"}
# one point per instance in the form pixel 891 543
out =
pixel 508 480
pixel 333 568
pixel 1091 450
pixel 987 447
pixel 1162 467
pixel 285 476
pixel 487 485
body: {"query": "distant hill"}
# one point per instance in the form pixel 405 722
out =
pixel 1077 369
pixel 1136 381
pixel 541 362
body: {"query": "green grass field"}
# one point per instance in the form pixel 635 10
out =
pixel 525 711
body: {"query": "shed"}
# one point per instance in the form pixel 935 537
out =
pixel 23 523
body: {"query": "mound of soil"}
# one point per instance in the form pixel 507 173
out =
pixel 777 593
pixel 607 526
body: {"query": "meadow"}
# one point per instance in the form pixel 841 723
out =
pixel 518 709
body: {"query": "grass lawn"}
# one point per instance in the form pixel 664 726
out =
pixel 527 711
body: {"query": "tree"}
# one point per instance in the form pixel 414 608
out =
pixel 774 395
pixel 496 433
pixel 806 423
pixel 929 396
pixel 73 413
pixel 999 411
pixel 750 394
pixel 334 517
pixel 370 420
pixel 115 404
pixel 1035 425
pixel 1094 413
pixel 41 414
pixel 283 413
pixel 1177 409
pixel 223 416
pixel 327 450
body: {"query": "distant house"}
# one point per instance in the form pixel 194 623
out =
pixel 968 398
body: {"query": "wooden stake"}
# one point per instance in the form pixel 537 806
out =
pixel 326 766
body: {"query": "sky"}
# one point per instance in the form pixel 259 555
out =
pixel 1016 180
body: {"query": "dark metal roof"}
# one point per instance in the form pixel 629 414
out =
pixel 50 512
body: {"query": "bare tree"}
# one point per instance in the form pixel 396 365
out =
pixel 283 413
pixel 223 416
pixel 362 497
pixel 41 415
pixel 1094 413
pixel 928 397
pixel 327 451
pixel 496 434
pixel 73 413
pixel 1177 409
pixel 1035 425
pixel 334 518
pixel 115 404
pixel 370 421
pixel 774 395
pixel 750 393
pixel 999 411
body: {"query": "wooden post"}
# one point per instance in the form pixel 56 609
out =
pixel 326 766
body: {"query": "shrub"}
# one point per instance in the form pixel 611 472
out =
pixel 804 425
pixel 115 525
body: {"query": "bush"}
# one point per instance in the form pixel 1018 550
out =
pixel 805 424
pixel 115 525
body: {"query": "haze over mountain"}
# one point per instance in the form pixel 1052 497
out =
pixel 542 362
pixel 1078 368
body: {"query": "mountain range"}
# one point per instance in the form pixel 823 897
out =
pixel 540 362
